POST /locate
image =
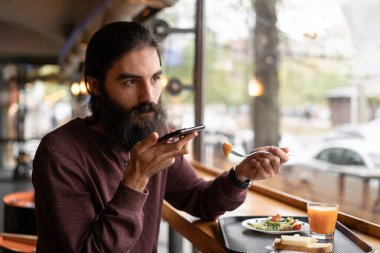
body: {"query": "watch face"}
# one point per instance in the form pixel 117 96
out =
pixel 247 183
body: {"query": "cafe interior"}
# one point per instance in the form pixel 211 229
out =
pixel 224 69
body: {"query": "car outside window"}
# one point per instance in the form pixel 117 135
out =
pixel 352 158
pixel 375 157
pixel 330 155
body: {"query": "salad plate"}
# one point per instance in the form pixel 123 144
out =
pixel 286 225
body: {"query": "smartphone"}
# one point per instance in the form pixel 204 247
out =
pixel 180 132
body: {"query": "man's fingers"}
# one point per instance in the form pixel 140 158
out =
pixel 149 141
pixel 188 137
pixel 279 152
pixel 162 153
pixel 266 164
pixel 285 149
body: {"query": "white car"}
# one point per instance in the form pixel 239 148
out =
pixel 327 161
pixel 345 154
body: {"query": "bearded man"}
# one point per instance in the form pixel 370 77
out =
pixel 100 181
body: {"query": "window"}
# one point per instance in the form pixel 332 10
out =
pixel 328 79
pixel 331 155
pixel 30 110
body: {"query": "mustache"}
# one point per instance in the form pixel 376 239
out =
pixel 145 107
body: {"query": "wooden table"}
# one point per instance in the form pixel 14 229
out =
pixel 261 200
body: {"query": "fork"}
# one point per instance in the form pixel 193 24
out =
pixel 227 149
pixel 252 153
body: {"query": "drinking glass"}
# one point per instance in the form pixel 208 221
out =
pixel 322 220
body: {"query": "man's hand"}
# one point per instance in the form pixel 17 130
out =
pixel 262 166
pixel 149 157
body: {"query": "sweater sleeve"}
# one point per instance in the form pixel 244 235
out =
pixel 64 205
pixel 204 199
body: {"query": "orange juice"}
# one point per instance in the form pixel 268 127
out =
pixel 322 218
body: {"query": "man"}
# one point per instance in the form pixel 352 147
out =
pixel 100 181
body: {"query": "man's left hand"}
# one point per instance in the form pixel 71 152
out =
pixel 262 165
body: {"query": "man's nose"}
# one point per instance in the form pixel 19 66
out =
pixel 146 93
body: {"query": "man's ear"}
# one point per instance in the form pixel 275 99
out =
pixel 93 84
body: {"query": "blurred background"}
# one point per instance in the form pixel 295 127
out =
pixel 300 74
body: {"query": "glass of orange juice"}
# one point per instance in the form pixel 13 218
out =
pixel 322 219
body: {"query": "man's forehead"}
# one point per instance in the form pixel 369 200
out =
pixel 138 62
pixel 149 52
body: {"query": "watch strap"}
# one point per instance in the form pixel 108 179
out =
pixel 240 184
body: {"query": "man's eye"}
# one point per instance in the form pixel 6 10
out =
pixel 156 78
pixel 130 82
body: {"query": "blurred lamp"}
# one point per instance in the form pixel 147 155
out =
pixel 164 82
pixel 255 88
pixel 82 87
pixel 78 88
pixel 75 89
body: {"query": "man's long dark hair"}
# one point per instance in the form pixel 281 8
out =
pixel 107 45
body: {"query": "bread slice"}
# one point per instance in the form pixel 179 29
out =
pixel 302 244
pixel 296 240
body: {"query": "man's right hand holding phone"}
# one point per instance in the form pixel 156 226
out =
pixel 148 157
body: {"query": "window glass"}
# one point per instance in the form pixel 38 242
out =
pixel 331 155
pixel 328 90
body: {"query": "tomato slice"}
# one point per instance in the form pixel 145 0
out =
pixel 297 226
pixel 277 217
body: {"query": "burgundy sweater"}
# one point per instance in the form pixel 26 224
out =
pixel 81 206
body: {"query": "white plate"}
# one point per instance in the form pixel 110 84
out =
pixel 304 227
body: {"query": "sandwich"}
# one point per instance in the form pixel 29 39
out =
pixel 302 244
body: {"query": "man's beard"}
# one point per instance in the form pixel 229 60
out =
pixel 131 126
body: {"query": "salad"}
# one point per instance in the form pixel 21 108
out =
pixel 277 223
